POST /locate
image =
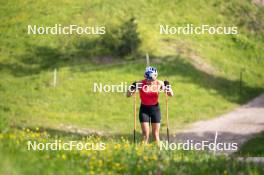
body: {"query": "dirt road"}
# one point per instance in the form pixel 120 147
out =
pixel 234 127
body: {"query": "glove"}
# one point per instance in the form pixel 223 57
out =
pixel 166 83
pixel 133 86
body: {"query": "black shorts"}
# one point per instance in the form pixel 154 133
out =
pixel 149 113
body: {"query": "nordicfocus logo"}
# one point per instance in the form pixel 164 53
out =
pixel 200 145
pixel 58 145
pixel 191 29
pixel 58 29
pixel 123 87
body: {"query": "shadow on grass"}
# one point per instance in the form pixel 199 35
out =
pixel 227 88
pixel 35 60
pixel 80 133
pixel 43 58
pixel 253 147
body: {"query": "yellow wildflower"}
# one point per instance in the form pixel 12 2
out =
pixel 64 157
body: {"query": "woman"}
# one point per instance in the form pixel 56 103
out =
pixel 149 89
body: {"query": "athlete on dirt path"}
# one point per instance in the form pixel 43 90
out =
pixel 149 89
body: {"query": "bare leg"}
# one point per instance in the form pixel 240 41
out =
pixel 145 131
pixel 155 131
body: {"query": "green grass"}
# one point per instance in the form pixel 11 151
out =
pixel 253 147
pixel 118 157
pixel 27 62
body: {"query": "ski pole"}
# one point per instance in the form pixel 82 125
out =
pixel 147 63
pixel 167 117
pixel 135 116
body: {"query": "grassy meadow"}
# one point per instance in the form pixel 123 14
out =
pixel 27 62
pixel 28 98
pixel 118 157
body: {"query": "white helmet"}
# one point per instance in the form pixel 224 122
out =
pixel 151 73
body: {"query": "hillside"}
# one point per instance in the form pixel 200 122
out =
pixel 204 70
pixel 48 107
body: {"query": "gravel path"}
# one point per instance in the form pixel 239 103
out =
pixel 235 127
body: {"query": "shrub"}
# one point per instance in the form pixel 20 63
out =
pixel 122 41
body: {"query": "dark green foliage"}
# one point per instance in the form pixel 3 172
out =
pixel 129 38
pixel 122 41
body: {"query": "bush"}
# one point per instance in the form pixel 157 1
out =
pixel 123 41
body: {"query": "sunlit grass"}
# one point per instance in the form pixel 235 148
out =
pixel 120 156
pixel 28 98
